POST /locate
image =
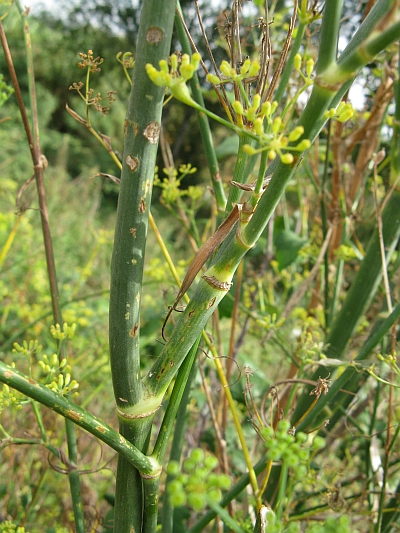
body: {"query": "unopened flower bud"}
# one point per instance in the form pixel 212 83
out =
pixel 249 149
pixel 276 125
pixel 245 67
pixel 174 61
pixel 226 69
pixel 259 126
pixel 237 106
pixel 287 159
pixel 254 68
pixel 212 78
pixel 295 134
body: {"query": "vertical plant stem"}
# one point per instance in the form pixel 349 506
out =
pixel 142 129
pixel 151 485
pixel 281 490
pixel 289 64
pixel 395 151
pixel 174 402
pixel 167 520
pixel 329 34
pixel 325 224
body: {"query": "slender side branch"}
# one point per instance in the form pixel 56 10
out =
pixel 81 417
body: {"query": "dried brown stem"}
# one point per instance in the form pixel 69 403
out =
pixel 265 54
pixel 282 58
pixel 38 166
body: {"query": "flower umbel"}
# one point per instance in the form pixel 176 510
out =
pixel 175 77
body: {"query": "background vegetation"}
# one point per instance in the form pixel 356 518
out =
pixel 275 334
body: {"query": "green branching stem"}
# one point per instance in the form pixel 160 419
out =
pixel 68 409
pixel 232 250
pixel 378 11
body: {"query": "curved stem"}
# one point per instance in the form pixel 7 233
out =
pixel 77 415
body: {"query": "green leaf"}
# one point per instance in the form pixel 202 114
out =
pixel 229 146
pixel 288 245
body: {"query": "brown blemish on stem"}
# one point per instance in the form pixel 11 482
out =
pixel 154 35
pixel 216 284
pixel 191 314
pixel 142 206
pixel 132 162
pixel 134 125
pixel 133 231
pixel 152 132
pixel 70 413
pixel 133 331
pixel 101 429
pixel 161 373
pixel 171 364
pixel 211 303
pixel 217 176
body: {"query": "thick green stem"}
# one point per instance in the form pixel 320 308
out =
pixel 142 129
pixel 68 409
pixel 202 305
pixel 329 34
pixel 379 10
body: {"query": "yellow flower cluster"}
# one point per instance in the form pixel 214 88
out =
pixel 176 75
pixel 249 69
